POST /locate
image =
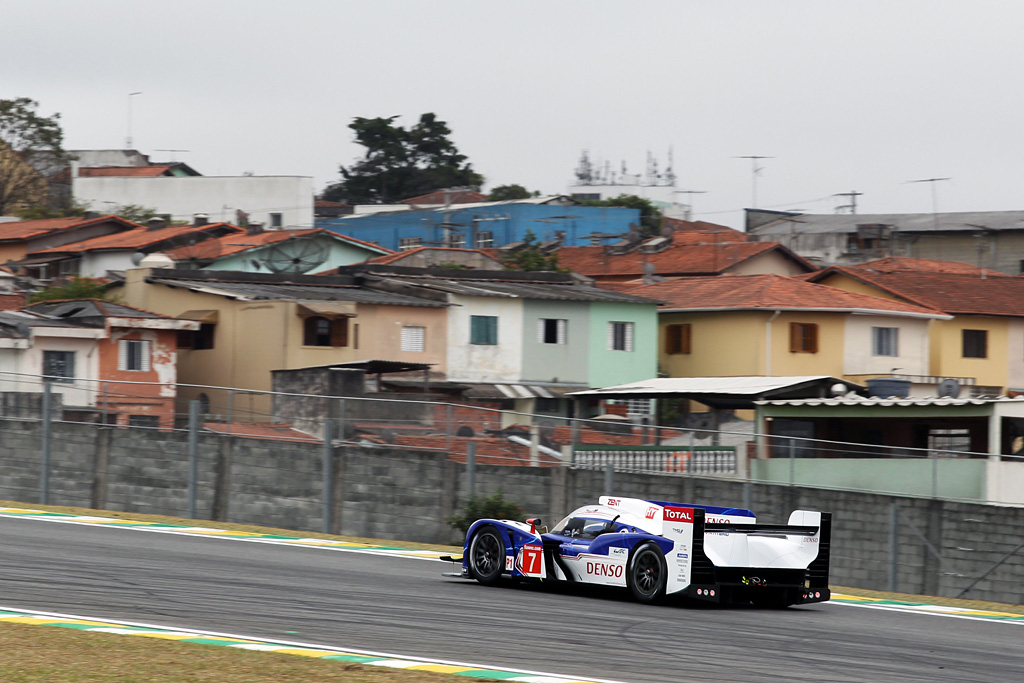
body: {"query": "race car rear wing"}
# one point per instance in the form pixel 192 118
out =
pixel 763 529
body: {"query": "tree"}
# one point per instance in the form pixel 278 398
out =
pixel 31 153
pixel 75 288
pixel 531 258
pixel 505 193
pixel 400 163
pixel 650 215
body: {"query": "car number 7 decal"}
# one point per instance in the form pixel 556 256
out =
pixel 532 555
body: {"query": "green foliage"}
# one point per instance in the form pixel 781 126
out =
pixel 134 212
pixel 75 288
pixel 31 152
pixel 505 193
pixel 650 215
pixel 37 211
pixel 531 258
pixel 400 163
pixel 493 507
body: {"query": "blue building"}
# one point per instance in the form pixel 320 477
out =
pixel 488 224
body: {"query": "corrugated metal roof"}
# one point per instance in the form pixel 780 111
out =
pixel 521 290
pixel 855 400
pixel 904 222
pixel 270 290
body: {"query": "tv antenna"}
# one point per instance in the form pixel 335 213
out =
pixel 935 201
pixel 755 171
pixel 689 200
pixel 128 137
pixel 174 152
pixel 852 206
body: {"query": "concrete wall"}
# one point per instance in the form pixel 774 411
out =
pixel 608 367
pixel 912 346
pixel 219 197
pixel 401 494
pixel 502 362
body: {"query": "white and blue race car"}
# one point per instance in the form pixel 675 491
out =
pixel 656 548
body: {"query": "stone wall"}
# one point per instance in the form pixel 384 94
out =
pixel 399 494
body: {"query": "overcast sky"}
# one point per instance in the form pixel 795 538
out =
pixel 845 96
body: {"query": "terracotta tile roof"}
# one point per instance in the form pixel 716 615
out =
pixel 12 302
pixel 945 287
pixel 275 431
pixel 751 292
pixel 124 171
pixel 679 225
pixel 460 197
pixel 135 239
pixel 23 230
pixel 325 204
pixel 690 254
pixel 397 256
pixel 899 264
pixel 235 243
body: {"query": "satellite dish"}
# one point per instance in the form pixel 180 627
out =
pixel 464 431
pixel 838 389
pixel 949 388
pixel 295 255
pixel 137 257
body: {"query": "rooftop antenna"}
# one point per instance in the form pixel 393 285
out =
pixel 755 171
pixel 174 155
pixel 128 137
pixel 852 206
pixel 689 201
pixel 935 201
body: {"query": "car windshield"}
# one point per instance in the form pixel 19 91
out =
pixel 585 527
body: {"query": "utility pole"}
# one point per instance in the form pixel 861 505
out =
pixel 852 206
pixel 128 137
pixel 755 171
pixel 935 201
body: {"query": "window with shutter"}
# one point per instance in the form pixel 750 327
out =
pixel 803 338
pixel 551 330
pixel 975 343
pixel 133 355
pixel 414 339
pixel 620 336
pixel 339 332
pixel 677 338
pixel 483 330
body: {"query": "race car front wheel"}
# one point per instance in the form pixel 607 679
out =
pixel 648 574
pixel 486 556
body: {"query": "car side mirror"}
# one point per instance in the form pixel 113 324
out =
pixel 537 525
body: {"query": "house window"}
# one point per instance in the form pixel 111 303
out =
pixel 620 336
pixel 69 266
pixel 636 406
pixel 149 421
pixel 547 405
pixel 319 331
pixel 975 343
pixel 483 330
pixel 414 339
pixel 457 240
pixel 677 338
pixel 407 243
pixel 484 239
pixel 551 330
pixel 885 341
pixel 197 339
pixel 59 365
pixel 803 338
pixel 276 220
pixel 134 355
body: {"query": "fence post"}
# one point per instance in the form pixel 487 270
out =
pixel 609 478
pixel 229 416
pixel 47 425
pixel 470 469
pixel 105 388
pixel 934 455
pixel 534 443
pixel 448 428
pixel 894 545
pixel 193 457
pixel 339 428
pixel 574 437
pixel 328 476
pixel 792 461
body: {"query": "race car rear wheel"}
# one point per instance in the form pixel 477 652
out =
pixel 648 574
pixel 487 556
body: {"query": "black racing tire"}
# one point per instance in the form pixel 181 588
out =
pixel 647 574
pixel 487 556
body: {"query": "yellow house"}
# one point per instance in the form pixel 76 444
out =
pixel 982 341
pixel 251 324
pixel 771 325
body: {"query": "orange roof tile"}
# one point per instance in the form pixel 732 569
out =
pixel 397 256
pixel 952 288
pixel 135 239
pixel 690 254
pixel 124 171
pixel 679 225
pixel 12 302
pixel 23 230
pixel 749 292
pixel 438 197
pixel 242 241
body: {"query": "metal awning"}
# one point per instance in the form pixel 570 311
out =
pixel 515 391
pixel 328 309
pixel 726 392
pixel 208 316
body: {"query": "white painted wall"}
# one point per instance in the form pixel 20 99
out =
pixel 1004 482
pixel 217 196
pixel 1015 354
pixel 912 347
pixel 29 361
pixel 97 264
pixel 476 363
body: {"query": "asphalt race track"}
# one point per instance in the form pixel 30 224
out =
pixel 403 606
